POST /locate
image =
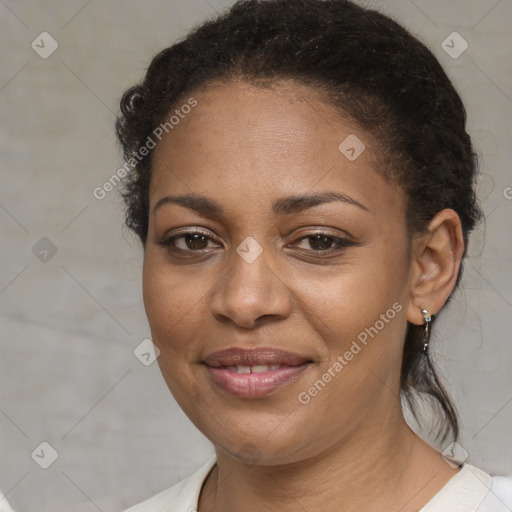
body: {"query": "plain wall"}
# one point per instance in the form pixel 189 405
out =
pixel 69 326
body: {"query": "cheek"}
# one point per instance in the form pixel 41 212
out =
pixel 360 318
pixel 358 312
pixel 172 302
pixel 352 297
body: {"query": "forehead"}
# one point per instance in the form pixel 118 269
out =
pixel 235 115
pixel 283 137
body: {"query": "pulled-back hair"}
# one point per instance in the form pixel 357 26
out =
pixel 371 70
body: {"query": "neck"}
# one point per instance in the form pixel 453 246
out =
pixel 386 467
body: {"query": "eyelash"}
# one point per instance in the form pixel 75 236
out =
pixel 343 243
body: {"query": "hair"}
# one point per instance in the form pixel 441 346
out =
pixel 372 71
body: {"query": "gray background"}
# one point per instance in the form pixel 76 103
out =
pixel 69 325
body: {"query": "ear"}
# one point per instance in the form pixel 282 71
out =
pixel 436 259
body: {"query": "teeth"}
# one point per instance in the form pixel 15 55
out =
pixel 257 368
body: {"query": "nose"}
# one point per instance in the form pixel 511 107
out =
pixel 249 294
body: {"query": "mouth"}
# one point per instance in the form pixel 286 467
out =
pixel 254 373
pixel 257 368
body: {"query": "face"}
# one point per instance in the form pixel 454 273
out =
pixel 284 244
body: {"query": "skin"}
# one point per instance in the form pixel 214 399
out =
pixel 349 448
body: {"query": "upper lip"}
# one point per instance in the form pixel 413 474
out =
pixel 254 356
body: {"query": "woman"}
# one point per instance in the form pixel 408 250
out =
pixel 302 183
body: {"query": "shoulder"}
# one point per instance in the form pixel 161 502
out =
pixel 499 497
pixel 177 498
pixel 470 490
pixel 4 504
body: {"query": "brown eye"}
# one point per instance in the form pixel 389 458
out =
pixel 324 242
pixel 188 241
pixel 194 241
pixel 321 242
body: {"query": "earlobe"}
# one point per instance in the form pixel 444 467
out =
pixel 436 260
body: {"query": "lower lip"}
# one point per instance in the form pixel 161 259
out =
pixel 254 385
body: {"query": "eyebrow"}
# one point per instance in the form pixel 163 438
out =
pixel 285 205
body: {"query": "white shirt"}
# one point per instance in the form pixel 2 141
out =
pixel 470 490
pixel 4 504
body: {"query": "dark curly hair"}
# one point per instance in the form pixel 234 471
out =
pixel 371 70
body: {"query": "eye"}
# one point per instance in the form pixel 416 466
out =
pixel 324 242
pixel 187 241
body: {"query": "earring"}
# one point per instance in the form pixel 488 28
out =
pixel 427 320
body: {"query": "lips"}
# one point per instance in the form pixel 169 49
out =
pixel 254 357
pixel 253 373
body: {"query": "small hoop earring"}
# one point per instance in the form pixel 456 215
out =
pixel 427 320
